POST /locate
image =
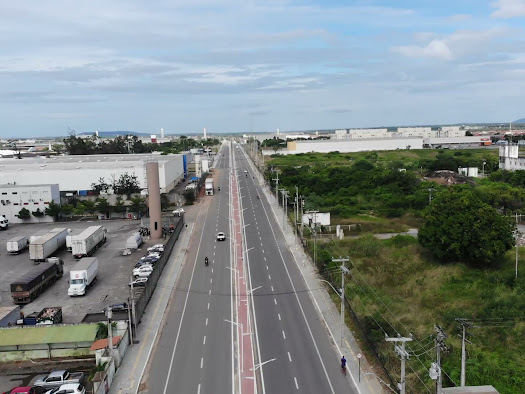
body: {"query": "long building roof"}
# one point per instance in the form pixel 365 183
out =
pixel 48 334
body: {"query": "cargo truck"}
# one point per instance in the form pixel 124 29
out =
pixel 88 241
pixel 209 186
pixel 47 244
pixel 82 276
pixel 17 245
pixel 36 281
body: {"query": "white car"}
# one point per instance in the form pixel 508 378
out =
pixel 156 246
pixel 70 388
pixel 178 212
pixel 139 282
pixel 143 271
pixel 221 237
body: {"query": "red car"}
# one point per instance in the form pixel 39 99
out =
pixel 25 390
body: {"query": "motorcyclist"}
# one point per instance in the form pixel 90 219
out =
pixel 206 261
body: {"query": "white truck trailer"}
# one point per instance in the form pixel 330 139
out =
pixel 208 186
pixel 47 244
pixel 17 245
pixel 88 241
pixel 82 276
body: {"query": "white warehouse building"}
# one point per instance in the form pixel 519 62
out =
pixel 32 197
pixel 350 145
pixel 76 174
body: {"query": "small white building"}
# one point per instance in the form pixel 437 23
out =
pixel 31 197
pixel 416 132
pixel 509 158
pixel 320 218
pixel 472 172
pixel 451 131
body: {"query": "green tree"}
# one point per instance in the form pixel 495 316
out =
pixel 80 209
pixel 460 227
pixel 38 213
pixel 126 184
pixel 138 204
pixel 23 214
pixel 53 210
pixel 119 206
pixel 101 186
pixel 90 206
pixel 67 209
pixel 103 206
pixel 189 196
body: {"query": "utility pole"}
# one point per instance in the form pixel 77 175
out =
pixel 440 346
pixel 344 271
pixel 400 350
pixel 302 223
pixel 296 212
pixel 314 230
pixel 110 333
pixel 517 245
pixel 464 326
pixel 133 315
pixel 277 187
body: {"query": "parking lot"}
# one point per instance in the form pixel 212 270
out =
pixel 113 277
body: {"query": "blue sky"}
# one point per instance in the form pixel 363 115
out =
pixel 231 65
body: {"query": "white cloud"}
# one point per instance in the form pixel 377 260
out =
pixel 508 9
pixel 434 49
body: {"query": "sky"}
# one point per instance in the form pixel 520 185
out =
pixel 257 65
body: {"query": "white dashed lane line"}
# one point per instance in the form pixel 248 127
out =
pixel 289 357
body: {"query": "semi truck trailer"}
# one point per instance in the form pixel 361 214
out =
pixel 17 245
pixel 44 246
pixel 82 276
pixel 34 282
pixel 88 241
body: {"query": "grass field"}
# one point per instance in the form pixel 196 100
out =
pixel 395 286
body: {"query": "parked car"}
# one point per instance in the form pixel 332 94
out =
pixel 178 211
pixel 139 282
pixel 156 246
pixel 221 236
pixel 150 259
pixel 154 254
pixel 73 388
pixel 59 378
pixel 118 307
pixel 144 270
pixel 25 390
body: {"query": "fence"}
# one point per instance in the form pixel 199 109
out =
pixel 142 295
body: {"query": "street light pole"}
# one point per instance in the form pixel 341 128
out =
pixel 344 271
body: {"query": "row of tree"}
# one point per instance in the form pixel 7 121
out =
pixel 87 207
pixel 74 145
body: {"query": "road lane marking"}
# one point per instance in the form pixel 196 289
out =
pixel 272 288
pixel 284 335
pixel 266 267
pixel 212 269
pixel 209 292
pixel 206 321
pixel 204 342
pixel 289 357
pixel 296 385
pixel 275 301
pixel 202 361
pixel 269 277
pixel 211 281
pixel 199 389
pixel 208 305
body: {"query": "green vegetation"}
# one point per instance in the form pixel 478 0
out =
pixel 23 214
pixel 459 226
pixel 396 286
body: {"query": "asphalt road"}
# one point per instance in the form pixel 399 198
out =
pixel 198 350
pixel 288 327
pixel 194 353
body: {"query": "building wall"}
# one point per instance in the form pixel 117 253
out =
pixel 474 141
pixel 354 145
pixel 32 197
pixel 509 158
pixel 416 132
pixel 368 133
pixel 451 131
pixel 171 173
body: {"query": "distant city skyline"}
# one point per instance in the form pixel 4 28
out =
pixel 235 66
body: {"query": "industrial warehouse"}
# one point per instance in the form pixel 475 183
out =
pixel 76 174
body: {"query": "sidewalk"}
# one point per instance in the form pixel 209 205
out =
pixel 331 316
pixel 129 375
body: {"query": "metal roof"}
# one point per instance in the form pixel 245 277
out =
pixel 48 334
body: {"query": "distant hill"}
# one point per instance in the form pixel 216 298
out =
pixel 110 134
pixel 522 120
